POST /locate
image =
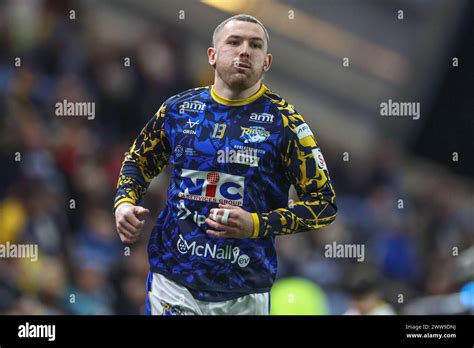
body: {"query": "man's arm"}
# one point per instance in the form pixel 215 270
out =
pixel 306 170
pixel 148 156
pixel 146 159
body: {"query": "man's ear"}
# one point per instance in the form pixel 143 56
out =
pixel 211 56
pixel 268 62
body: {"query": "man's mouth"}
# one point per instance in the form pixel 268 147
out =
pixel 242 65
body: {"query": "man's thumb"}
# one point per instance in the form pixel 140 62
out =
pixel 140 211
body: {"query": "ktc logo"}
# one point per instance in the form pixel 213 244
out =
pixel 214 187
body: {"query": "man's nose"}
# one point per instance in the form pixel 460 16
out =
pixel 244 52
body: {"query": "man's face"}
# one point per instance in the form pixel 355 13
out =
pixel 240 54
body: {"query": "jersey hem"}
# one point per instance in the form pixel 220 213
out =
pixel 214 295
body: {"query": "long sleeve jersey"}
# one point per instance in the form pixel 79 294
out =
pixel 241 152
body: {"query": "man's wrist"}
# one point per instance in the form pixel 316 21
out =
pixel 122 202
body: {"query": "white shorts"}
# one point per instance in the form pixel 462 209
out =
pixel 166 297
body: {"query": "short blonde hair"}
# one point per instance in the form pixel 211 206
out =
pixel 242 18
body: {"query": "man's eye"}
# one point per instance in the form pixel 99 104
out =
pixel 233 43
pixel 257 45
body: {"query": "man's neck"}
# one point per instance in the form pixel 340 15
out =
pixel 224 91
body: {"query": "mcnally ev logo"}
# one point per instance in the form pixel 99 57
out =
pixel 191 107
pixel 214 187
pixel 254 134
pixel 209 250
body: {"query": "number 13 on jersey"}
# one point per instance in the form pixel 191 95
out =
pixel 219 130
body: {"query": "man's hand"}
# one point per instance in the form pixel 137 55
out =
pixel 127 222
pixel 235 223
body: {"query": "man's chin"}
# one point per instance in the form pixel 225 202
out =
pixel 241 81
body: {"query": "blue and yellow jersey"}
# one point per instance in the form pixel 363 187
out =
pixel 241 152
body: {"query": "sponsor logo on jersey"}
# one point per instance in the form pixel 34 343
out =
pixel 178 151
pixel 171 309
pixel 261 118
pixel 210 250
pixel 254 134
pixel 189 151
pixel 189 127
pixel 303 130
pixel 247 156
pixel 184 213
pixel 318 157
pixel 214 187
pixel 250 149
pixel 191 107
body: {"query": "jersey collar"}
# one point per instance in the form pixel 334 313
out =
pixel 238 102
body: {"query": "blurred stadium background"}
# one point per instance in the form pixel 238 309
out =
pixel 419 258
